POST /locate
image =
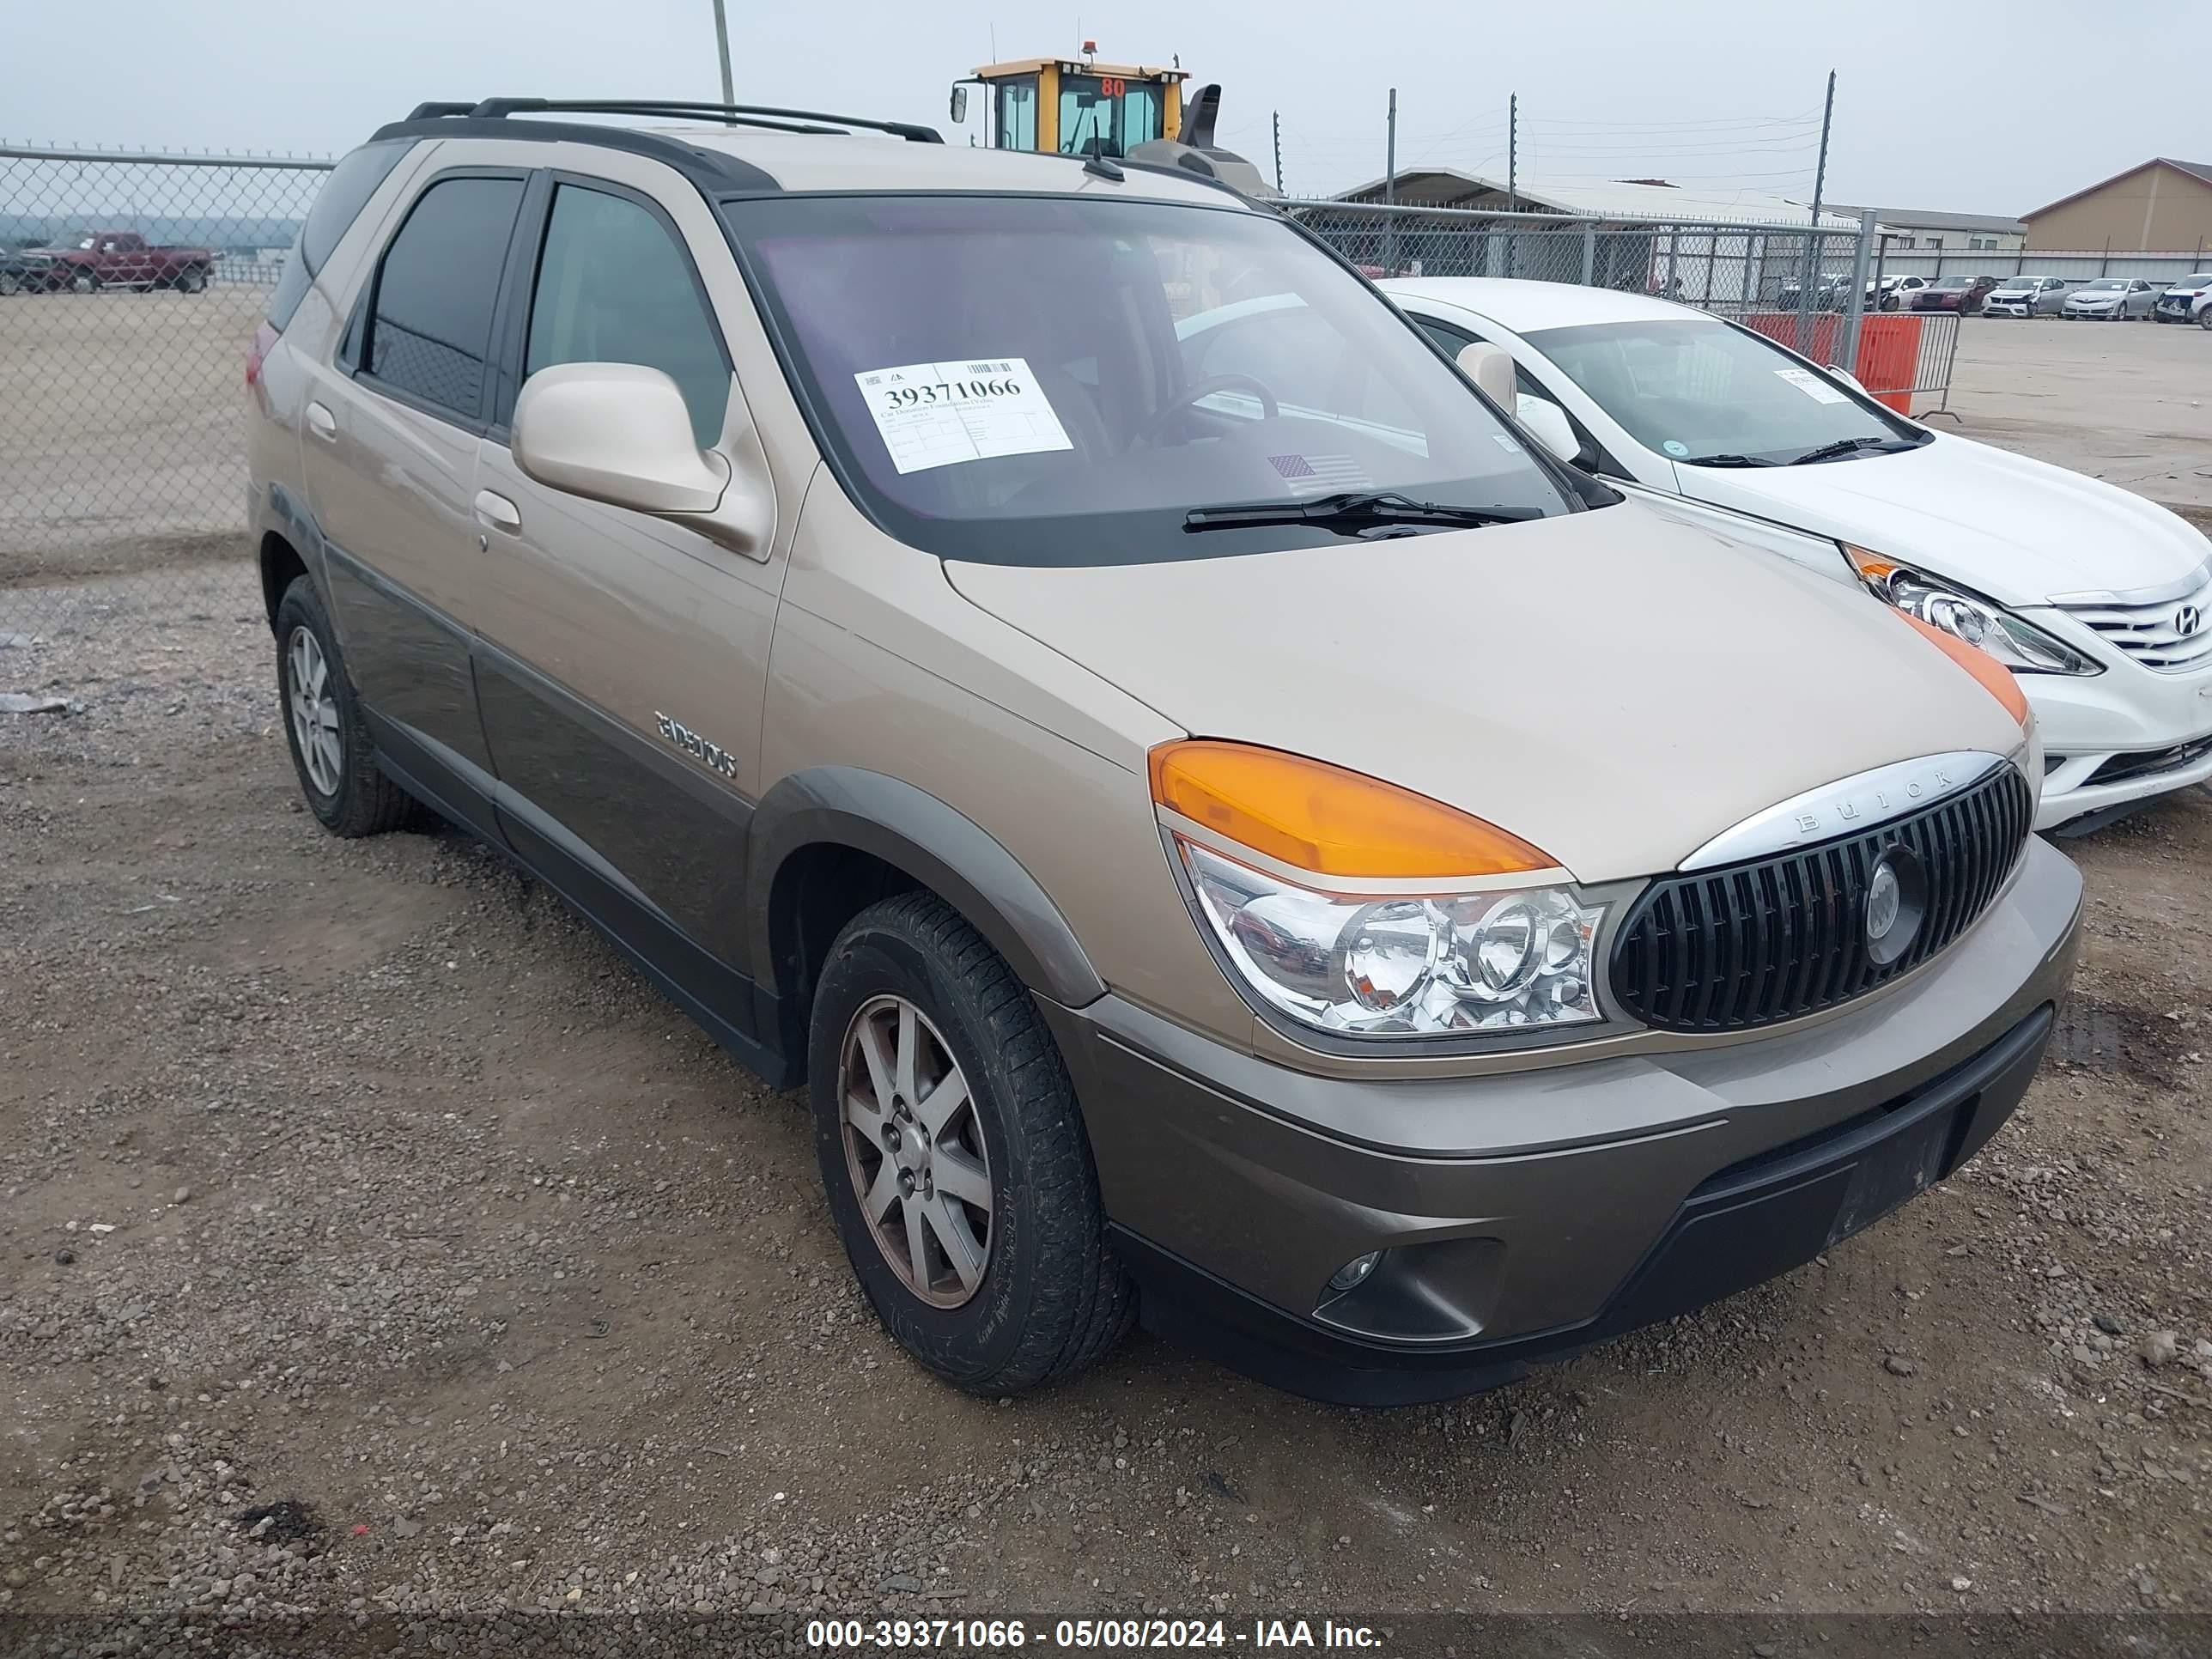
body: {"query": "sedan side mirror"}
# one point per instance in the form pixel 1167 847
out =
pixel 1847 378
pixel 618 433
pixel 1550 424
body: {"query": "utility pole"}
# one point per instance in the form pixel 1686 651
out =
pixel 723 48
pixel 1811 281
pixel 1390 188
pixel 1279 152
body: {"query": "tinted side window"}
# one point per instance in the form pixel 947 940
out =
pixel 615 287
pixel 346 190
pixel 430 327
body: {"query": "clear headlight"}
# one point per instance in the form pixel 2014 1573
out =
pixel 2017 643
pixel 1505 959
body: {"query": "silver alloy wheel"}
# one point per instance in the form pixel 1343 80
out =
pixel 315 712
pixel 915 1149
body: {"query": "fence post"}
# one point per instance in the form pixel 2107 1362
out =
pixel 1808 286
pixel 1590 251
pixel 1855 314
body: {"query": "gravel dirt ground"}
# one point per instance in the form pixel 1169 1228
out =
pixel 374 1241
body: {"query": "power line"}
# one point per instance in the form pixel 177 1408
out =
pixel 1810 116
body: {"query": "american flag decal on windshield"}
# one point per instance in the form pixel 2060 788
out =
pixel 1319 473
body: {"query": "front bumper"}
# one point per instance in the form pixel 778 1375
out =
pixel 1526 1214
pixel 2114 738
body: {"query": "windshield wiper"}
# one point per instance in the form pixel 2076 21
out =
pixel 1351 512
pixel 1730 460
pixel 1844 447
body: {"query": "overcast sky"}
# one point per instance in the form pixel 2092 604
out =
pixel 1954 112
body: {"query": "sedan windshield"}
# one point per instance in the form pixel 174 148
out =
pixel 1060 381
pixel 2018 284
pixel 1698 390
pixel 2108 283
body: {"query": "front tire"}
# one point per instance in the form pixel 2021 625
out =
pixel 322 725
pixel 954 1155
pixel 192 279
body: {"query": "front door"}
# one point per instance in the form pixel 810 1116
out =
pixel 390 434
pixel 622 657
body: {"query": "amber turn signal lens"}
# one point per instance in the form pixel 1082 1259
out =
pixel 1322 818
pixel 1994 677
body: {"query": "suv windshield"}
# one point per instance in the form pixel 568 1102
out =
pixel 1698 390
pixel 1055 380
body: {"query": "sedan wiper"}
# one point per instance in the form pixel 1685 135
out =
pixel 1351 512
pixel 1844 447
pixel 1730 460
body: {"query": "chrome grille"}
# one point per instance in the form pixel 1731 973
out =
pixel 1777 938
pixel 2171 636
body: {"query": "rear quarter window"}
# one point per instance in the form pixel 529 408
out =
pixel 345 191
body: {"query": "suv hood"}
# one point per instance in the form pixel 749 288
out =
pixel 2017 530
pixel 1613 687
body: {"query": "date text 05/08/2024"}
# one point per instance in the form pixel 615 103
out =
pixel 993 1635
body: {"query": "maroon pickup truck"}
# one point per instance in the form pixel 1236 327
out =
pixel 94 259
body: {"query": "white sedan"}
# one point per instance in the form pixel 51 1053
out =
pixel 2100 601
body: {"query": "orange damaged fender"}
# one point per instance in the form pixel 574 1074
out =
pixel 1322 818
pixel 1997 679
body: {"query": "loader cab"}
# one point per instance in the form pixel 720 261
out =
pixel 1076 106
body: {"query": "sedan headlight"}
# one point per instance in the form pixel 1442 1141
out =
pixel 1361 910
pixel 2017 643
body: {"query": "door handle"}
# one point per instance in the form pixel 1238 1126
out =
pixel 497 511
pixel 322 422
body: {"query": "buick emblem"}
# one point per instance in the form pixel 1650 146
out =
pixel 2188 620
pixel 1896 903
pixel 1881 904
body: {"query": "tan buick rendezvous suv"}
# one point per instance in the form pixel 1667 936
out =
pixel 1227 830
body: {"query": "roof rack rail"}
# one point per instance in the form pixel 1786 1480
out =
pixel 748 115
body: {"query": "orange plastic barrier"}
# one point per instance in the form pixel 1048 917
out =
pixel 1889 347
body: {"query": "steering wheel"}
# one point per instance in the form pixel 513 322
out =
pixel 1205 388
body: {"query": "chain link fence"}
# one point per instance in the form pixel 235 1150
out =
pixel 1726 268
pixel 130 286
pixel 1754 274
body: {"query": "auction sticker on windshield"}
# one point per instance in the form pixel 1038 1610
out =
pixel 1812 386
pixel 937 414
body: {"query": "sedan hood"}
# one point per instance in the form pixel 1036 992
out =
pixel 2017 530
pixel 1612 686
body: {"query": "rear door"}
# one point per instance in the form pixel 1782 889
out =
pixel 389 440
pixel 621 658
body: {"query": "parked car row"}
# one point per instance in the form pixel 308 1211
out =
pixel 2114 299
pixel 97 259
pixel 1392 835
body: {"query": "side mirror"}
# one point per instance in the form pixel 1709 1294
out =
pixel 959 105
pixel 1847 378
pixel 1489 367
pixel 1549 423
pixel 618 433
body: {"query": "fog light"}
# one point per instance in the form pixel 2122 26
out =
pixel 1353 1273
